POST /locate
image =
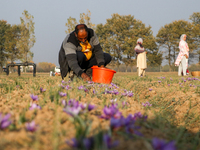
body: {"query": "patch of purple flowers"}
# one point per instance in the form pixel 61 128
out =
pixel 62 94
pixel 67 87
pixel 127 93
pixel 127 124
pixel 159 144
pixel 124 104
pixel 114 85
pixel 114 91
pixel 81 87
pixel 73 107
pixel 146 104
pixel 108 143
pixel 150 89
pixel 4 121
pixel 111 111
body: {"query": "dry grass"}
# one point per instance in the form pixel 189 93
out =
pixel 174 114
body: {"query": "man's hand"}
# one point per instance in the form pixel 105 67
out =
pixel 85 77
pixel 186 56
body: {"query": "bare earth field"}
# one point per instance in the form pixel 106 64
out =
pixel 170 103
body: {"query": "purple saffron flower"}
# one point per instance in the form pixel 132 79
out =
pixel 190 85
pixel 73 103
pixel 62 94
pixel 129 94
pixel 94 92
pixel 73 111
pixel 138 115
pixel 73 143
pixel 124 104
pixel 90 82
pixel 86 90
pixel 88 143
pixel 150 89
pixel 81 87
pixel 62 86
pixel 64 103
pixel 67 87
pixel 111 111
pixel 4 121
pixel 31 126
pixel 163 77
pixel 91 107
pixel 184 80
pixel 159 81
pixel 83 106
pixel 34 97
pixel 168 84
pixel 108 142
pixel 132 129
pixel 113 100
pixel 42 90
pixel 114 85
pixel 34 106
pixel 159 144
pixel 116 122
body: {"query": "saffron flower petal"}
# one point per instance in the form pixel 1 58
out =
pixel 34 97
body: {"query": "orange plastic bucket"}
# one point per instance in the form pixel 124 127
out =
pixel 102 75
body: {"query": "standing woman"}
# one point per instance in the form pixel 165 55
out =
pixel 141 57
pixel 182 59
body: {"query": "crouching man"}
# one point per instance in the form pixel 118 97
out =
pixel 81 50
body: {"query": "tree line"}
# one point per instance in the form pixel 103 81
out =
pixel 119 34
pixel 17 40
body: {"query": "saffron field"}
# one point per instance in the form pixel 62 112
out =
pixel 158 112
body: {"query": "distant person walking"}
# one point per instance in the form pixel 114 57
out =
pixel 141 58
pixel 182 59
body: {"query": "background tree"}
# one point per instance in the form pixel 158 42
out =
pixel 119 35
pixel 27 39
pixel 4 26
pixel 45 67
pixel 71 23
pixel 12 36
pixel 168 38
pixel 84 18
pixel 195 18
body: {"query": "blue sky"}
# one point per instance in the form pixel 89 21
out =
pixel 50 17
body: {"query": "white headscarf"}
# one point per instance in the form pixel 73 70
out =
pixel 182 36
pixel 140 40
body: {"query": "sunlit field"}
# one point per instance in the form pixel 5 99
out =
pixel 154 112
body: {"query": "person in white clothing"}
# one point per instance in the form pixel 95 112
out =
pixel 182 59
pixel 141 57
